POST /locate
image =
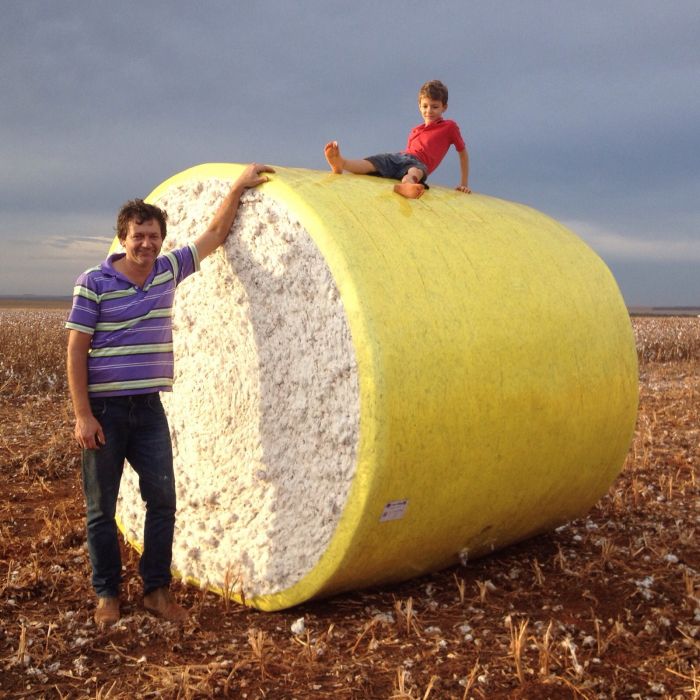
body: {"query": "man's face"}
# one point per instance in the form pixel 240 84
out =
pixel 143 242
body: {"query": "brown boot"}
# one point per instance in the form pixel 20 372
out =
pixel 107 612
pixel 161 603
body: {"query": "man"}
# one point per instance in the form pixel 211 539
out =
pixel 119 358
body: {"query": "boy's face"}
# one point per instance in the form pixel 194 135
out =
pixel 431 110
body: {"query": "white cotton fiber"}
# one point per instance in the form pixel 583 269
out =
pixel 265 408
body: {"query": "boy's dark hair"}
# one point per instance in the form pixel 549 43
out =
pixel 137 210
pixel 434 90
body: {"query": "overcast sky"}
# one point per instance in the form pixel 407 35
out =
pixel 589 112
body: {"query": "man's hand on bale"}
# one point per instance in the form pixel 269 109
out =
pixel 251 176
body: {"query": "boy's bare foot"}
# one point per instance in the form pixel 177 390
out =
pixel 335 160
pixel 410 190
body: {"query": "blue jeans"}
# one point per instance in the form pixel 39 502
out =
pixel 135 429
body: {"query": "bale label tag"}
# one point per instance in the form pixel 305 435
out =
pixel 394 510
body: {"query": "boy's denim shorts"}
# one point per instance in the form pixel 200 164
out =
pixel 396 165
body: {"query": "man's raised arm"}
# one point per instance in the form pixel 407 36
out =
pixel 220 225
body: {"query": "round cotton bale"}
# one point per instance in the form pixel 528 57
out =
pixel 368 388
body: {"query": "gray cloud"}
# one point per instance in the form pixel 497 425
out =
pixel 587 111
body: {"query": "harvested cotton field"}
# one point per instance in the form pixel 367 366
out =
pixel 607 606
pixel 265 417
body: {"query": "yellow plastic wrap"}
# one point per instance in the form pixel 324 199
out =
pixel 497 372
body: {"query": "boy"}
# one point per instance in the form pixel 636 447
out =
pixel 426 147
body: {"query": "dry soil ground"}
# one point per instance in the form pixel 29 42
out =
pixel 605 607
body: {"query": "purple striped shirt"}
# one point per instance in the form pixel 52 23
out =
pixel 131 351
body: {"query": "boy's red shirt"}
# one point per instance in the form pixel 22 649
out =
pixel 430 142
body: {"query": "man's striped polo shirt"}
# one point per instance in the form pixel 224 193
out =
pixel 131 351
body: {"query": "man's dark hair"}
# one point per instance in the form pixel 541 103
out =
pixel 137 210
pixel 434 90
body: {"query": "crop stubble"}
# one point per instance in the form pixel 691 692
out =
pixel 605 607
